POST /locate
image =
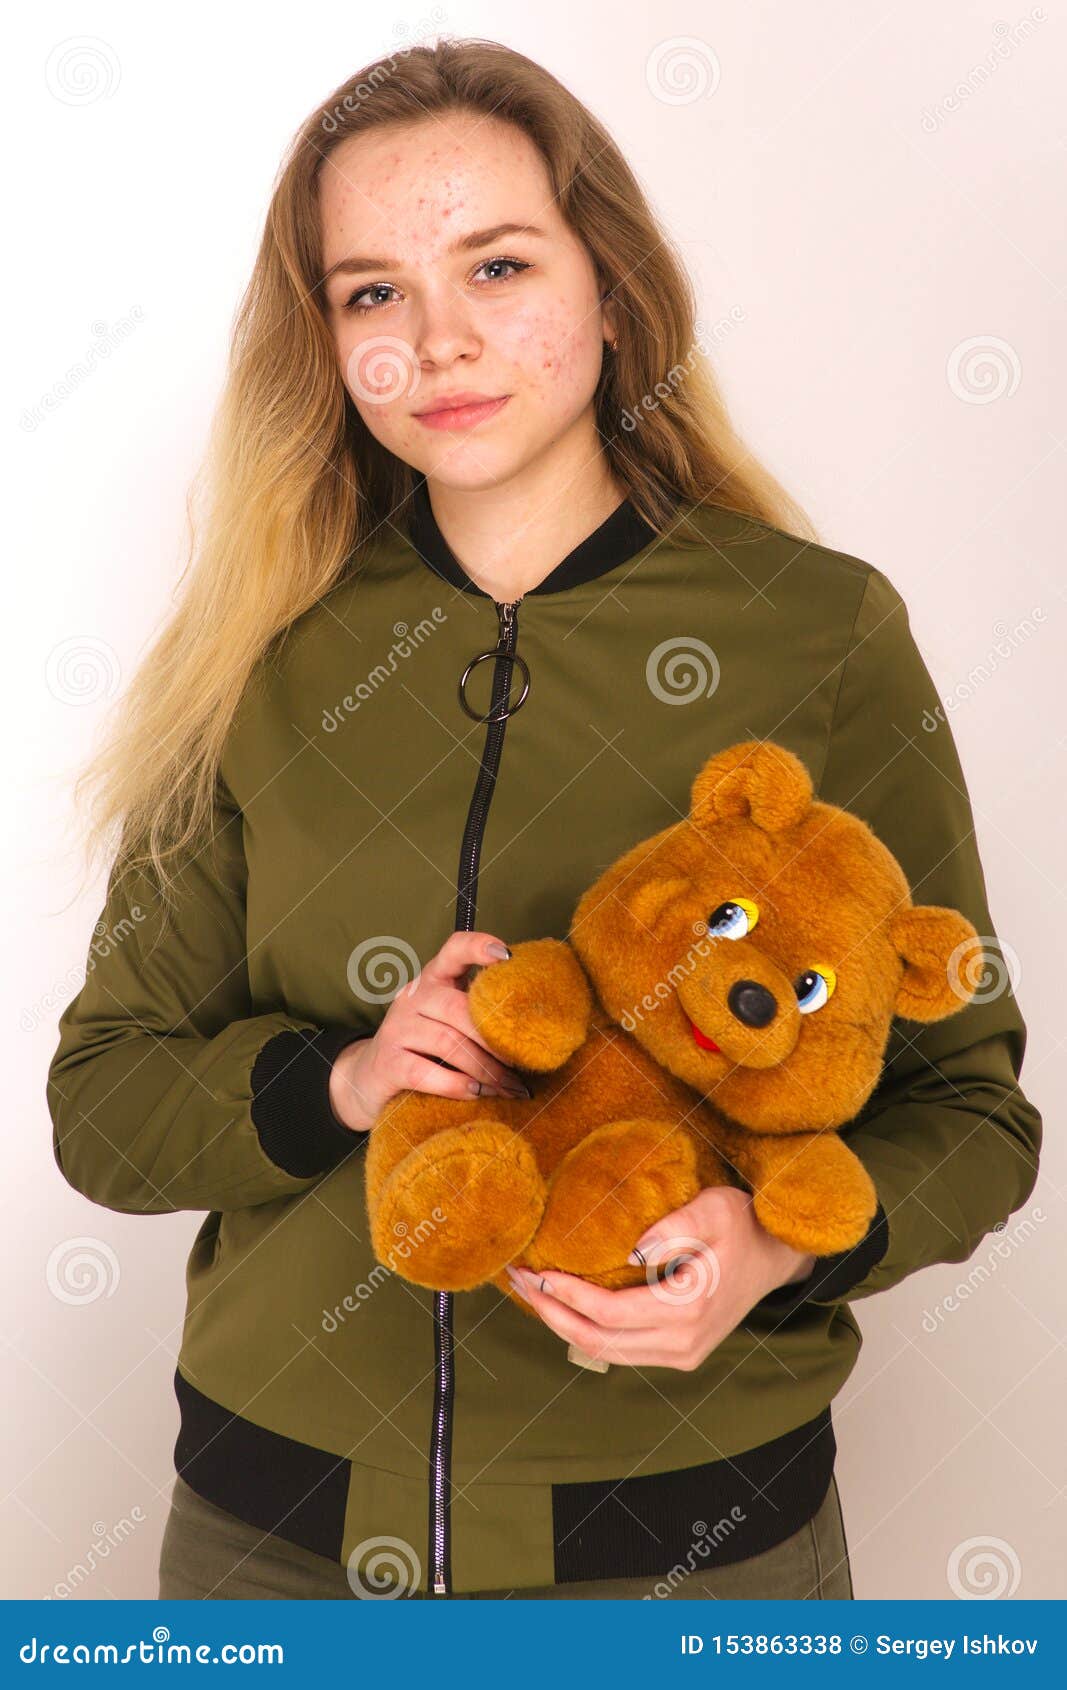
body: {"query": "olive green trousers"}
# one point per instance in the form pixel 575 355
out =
pixel 207 1552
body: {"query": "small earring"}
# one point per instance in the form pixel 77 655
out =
pixel 615 344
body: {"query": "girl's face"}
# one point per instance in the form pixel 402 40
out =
pixel 451 273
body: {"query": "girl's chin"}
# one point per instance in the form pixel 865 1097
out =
pixel 467 465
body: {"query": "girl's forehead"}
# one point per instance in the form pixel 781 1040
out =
pixel 438 161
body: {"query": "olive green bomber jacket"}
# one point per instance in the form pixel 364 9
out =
pixel 192 1066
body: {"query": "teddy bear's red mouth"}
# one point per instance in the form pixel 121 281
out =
pixel 702 1038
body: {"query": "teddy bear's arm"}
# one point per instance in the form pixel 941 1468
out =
pixel 808 1189
pixel 534 1009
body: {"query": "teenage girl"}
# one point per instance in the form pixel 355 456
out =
pixel 485 577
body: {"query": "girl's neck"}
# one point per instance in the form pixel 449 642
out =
pixel 510 536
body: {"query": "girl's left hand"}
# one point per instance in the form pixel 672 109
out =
pixel 678 1321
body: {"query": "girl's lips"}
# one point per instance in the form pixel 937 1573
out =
pixel 702 1039
pixel 462 416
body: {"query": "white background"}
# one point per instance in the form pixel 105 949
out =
pixel 868 198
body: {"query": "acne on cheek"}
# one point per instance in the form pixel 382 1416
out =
pixel 554 354
pixel 562 357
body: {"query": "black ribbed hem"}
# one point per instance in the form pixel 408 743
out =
pixel 833 1277
pixel 291 1109
pixel 720 1512
pixel 694 1517
pixel 276 1483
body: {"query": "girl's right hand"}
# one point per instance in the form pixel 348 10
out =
pixel 429 1017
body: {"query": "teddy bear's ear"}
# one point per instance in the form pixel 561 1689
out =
pixel 939 949
pixel 756 779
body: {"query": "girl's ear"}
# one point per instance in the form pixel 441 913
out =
pixel 609 320
pixel 941 954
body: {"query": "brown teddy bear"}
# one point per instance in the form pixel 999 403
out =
pixel 723 1003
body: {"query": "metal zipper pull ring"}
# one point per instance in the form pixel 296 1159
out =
pixel 500 715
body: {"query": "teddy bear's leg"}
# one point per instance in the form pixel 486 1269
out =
pixel 609 1188
pixel 406 1121
pixel 410 1118
pixel 808 1189
pixel 459 1205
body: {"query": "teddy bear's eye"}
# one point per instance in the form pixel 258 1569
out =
pixel 734 919
pixel 813 987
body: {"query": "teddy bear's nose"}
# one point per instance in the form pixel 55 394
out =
pixel 752 1003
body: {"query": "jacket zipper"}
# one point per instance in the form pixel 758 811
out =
pixel 440 1582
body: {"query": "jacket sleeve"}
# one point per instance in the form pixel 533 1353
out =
pixel 948 1137
pixel 167 1090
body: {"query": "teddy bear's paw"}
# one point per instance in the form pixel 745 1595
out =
pixel 606 1191
pixel 821 1201
pixel 458 1207
pixel 533 1010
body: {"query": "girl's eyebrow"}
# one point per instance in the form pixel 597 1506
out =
pixel 357 264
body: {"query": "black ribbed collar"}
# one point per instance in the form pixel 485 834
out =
pixel 621 535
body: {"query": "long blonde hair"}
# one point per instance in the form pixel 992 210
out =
pixel 294 486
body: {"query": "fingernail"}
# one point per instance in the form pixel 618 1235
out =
pixel 494 948
pixel 516 1091
pixel 474 1087
pixel 518 1279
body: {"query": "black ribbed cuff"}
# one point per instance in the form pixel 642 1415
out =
pixel 291 1109
pixel 833 1277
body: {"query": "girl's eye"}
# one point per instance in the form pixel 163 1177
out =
pixel 733 920
pixel 813 988
pixel 515 264
pixel 356 303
